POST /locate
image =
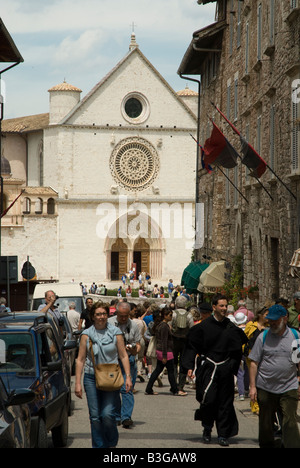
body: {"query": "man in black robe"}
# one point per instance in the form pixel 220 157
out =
pixel 217 343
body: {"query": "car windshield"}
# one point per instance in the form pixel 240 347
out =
pixel 62 303
pixel 16 353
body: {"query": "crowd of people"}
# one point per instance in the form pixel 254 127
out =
pixel 220 349
pixel 142 283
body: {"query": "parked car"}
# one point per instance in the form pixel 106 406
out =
pixel 33 358
pixel 15 417
pixel 67 342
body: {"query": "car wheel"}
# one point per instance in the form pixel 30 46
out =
pixel 42 437
pixel 61 432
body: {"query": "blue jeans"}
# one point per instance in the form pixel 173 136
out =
pixel 124 410
pixel 102 407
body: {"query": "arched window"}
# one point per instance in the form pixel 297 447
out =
pixel 26 205
pixel 39 206
pixel 51 206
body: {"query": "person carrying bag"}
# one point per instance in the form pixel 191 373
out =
pixel 101 346
pixel 108 376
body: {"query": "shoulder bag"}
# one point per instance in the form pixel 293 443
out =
pixel 108 377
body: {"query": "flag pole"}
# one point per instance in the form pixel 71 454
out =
pixel 225 175
pixel 267 165
pixel 280 180
pixel 218 167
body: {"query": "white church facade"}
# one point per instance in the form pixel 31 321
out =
pixel 108 180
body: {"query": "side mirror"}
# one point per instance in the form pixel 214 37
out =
pixel 69 344
pixel 20 397
pixel 53 366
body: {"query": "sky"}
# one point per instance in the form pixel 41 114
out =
pixel 81 41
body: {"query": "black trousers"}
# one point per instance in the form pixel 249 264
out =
pixel 217 406
pixel 158 370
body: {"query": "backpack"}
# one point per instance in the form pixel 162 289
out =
pixel 292 329
pixel 180 324
pixel 249 345
pixel 295 350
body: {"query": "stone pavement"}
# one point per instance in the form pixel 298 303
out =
pixel 164 422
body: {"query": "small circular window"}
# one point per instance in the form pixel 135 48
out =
pixel 135 108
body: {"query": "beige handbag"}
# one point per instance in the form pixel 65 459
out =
pixel 151 350
pixel 108 377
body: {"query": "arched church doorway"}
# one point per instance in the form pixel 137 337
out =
pixel 141 256
pixel 118 260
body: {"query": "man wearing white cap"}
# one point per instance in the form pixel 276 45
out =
pixel 273 379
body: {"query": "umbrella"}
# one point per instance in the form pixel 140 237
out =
pixel 191 275
pixel 213 277
pixel 294 269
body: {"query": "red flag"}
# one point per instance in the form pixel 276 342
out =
pixel 252 160
pixel 218 150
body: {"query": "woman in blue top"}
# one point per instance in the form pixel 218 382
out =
pixel 108 347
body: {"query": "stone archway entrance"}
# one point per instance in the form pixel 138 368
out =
pixel 123 250
pixel 118 260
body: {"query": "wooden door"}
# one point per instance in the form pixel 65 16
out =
pixel 143 247
pixel 120 247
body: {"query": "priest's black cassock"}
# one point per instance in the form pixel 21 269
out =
pixel 218 345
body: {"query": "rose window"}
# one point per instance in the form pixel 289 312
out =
pixel 134 164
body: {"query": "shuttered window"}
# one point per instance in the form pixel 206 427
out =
pixel 295 135
pixel 259 31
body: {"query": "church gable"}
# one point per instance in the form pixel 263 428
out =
pixel 132 94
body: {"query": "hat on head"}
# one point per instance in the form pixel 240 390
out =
pixel 240 318
pixel 276 312
pixel 296 295
pixel 205 307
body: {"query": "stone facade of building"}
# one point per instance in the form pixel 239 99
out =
pixel 109 179
pixel 249 64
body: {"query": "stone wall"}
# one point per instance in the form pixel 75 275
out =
pixel 264 231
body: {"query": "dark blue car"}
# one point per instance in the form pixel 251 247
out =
pixel 14 417
pixel 31 357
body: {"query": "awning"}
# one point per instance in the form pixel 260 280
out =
pixel 212 278
pixel 191 275
pixel 205 41
pixel 294 269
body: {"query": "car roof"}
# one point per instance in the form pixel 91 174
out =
pixel 22 320
pixel 60 289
